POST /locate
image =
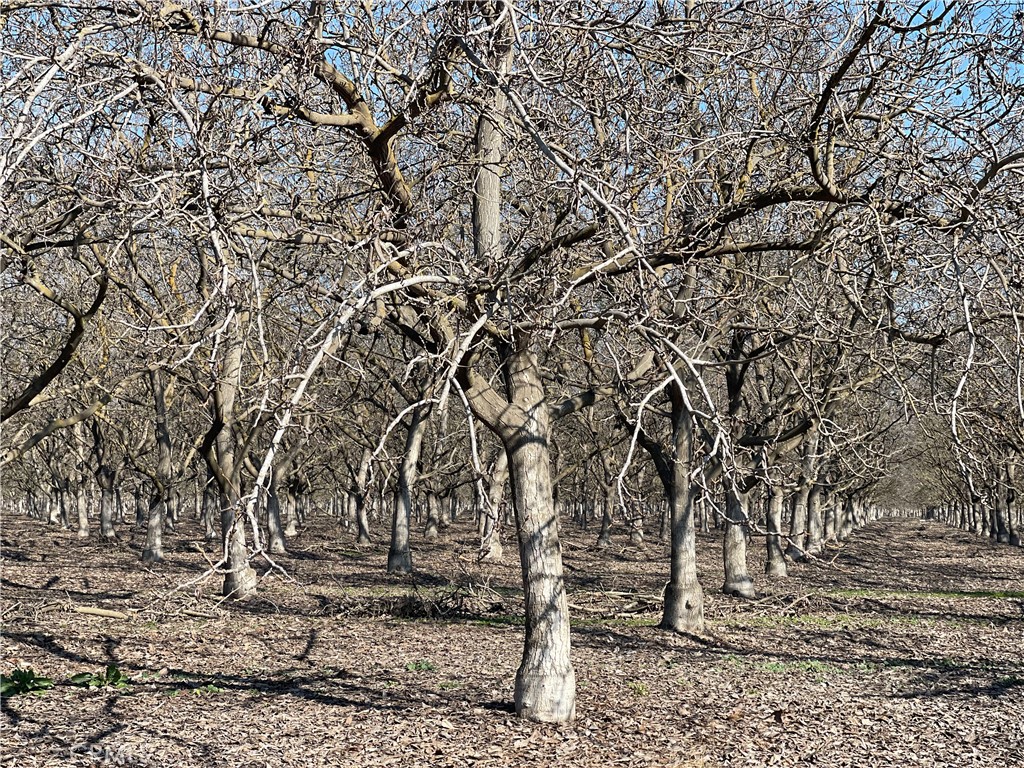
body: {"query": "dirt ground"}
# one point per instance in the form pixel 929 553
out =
pixel 904 647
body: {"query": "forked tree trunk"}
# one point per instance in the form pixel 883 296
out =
pixel 545 687
pixel 684 597
pixel 400 555
pixel 775 567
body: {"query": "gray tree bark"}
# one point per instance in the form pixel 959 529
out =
pixel 815 522
pixel 400 555
pixel 491 549
pixel 153 551
pixel 738 582
pixel 239 577
pixel 684 598
pixel 357 498
pixel 775 567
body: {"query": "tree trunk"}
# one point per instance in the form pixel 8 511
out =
pixel 108 504
pixel 105 478
pixel 275 531
pixel 831 515
pixel 796 550
pixel 82 507
pixel 1012 506
pixel 240 577
pixel 292 498
pixel 734 547
pixel 545 687
pixel 798 529
pixel 357 499
pixel 815 523
pixel 604 537
pixel 491 549
pixel 153 551
pixel 684 598
pixel 775 567
pixel 431 532
pixel 399 555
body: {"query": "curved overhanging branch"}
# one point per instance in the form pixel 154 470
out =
pixel 67 353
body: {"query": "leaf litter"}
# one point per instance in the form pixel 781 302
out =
pixel 903 647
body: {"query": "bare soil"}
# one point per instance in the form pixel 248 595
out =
pixel 904 647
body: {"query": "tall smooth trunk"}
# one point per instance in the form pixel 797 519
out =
pixel 684 598
pixel 357 498
pixel 275 530
pixel 798 529
pixel 400 555
pixel 545 688
pixel 108 505
pixel 158 505
pixel 815 522
pixel 239 577
pixel 82 507
pixel 491 549
pixel 432 530
pixel 775 567
pixel 604 537
pixel 734 547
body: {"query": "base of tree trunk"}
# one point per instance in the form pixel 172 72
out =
pixel 740 586
pixel 796 554
pixel 399 561
pixel 636 538
pixel 240 585
pixel 603 542
pixel 431 533
pixel 492 551
pixel 83 534
pixel 277 547
pixel 546 697
pixel 363 540
pixel 776 568
pixel 684 609
pixel 152 556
